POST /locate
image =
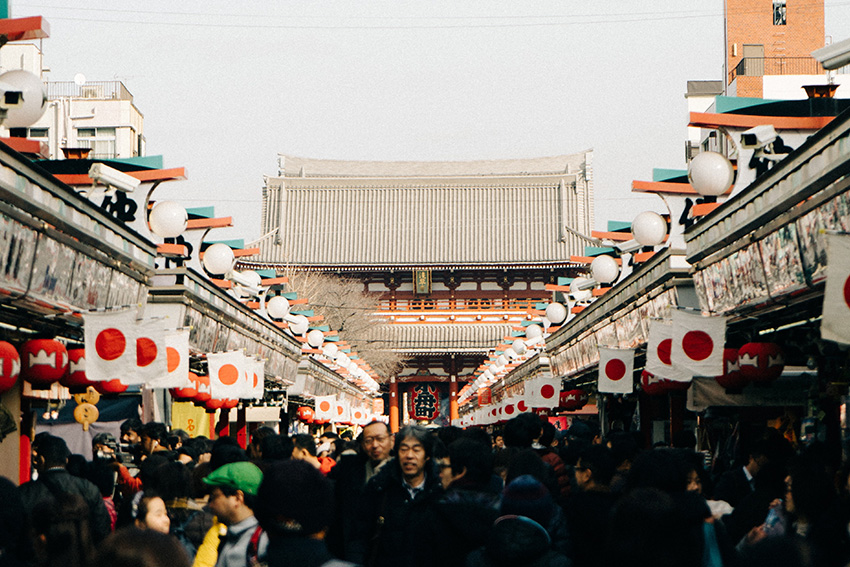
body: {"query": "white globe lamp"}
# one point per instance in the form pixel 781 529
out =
pixel 604 269
pixel 33 98
pixel 501 361
pixel 277 307
pixel 578 293
pixel 519 347
pixel 710 174
pixel 315 338
pixel 168 219
pixel 649 228
pixel 218 258
pixel 330 350
pixel 299 325
pixel 533 332
pixel 493 369
pixel 343 360
pixel 556 313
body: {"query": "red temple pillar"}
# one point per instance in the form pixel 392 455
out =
pixel 393 404
pixel 242 427
pixel 453 410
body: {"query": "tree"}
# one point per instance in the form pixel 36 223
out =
pixel 350 310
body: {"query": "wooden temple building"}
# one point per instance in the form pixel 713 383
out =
pixel 459 253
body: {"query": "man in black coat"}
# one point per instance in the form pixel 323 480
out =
pixel 350 476
pixel 393 523
pixel 54 481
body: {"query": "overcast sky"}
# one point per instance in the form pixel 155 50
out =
pixel 226 86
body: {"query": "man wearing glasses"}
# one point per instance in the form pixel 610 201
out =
pixel 350 476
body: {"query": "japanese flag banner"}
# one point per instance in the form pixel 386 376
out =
pixel 542 392
pixel 359 416
pixel 343 412
pixel 325 407
pixel 697 345
pixel 177 361
pixel 658 352
pixel 227 375
pixel 118 345
pixel 509 408
pixel 835 325
pixel 616 370
pixel 256 377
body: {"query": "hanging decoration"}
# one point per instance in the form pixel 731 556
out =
pixel 10 366
pixel 43 362
pixel 424 402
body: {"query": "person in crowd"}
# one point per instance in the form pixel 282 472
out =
pixel 276 448
pixel 150 513
pixel 255 449
pixel 590 507
pixel 624 450
pixel 350 476
pixel 176 438
pixel 327 444
pixel 305 449
pixel 15 548
pixel 397 506
pixel 464 514
pixel 54 481
pixel 131 430
pixel 543 447
pixel 295 508
pixel 154 439
pixel 233 498
pixel 100 472
pixel 739 482
pixel 134 547
pixel 62 531
pixel 519 536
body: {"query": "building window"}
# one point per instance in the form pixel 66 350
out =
pixel 100 140
pixel 778 12
pixel 37 133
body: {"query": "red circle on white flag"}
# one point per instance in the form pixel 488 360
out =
pixel 509 409
pixel 256 380
pixel 228 375
pixel 847 291
pixel 173 358
pixel 339 410
pixel 615 369
pixel 110 344
pixel 663 350
pixel 146 351
pixel 547 391
pixel 325 406
pixel 697 345
pixel 521 405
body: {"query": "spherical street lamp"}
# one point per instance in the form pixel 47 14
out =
pixel 218 258
pixel 710 174
pixel 168 219
pixel 556 313
pixel 277 307
pixel 604 269
pixel 649 228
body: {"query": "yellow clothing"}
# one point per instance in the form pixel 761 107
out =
pixel 208 551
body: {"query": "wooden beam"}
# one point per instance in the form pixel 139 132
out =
pixel 713 120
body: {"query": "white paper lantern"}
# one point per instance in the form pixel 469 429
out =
pixel 604 269
pixel 168 219
pixel 556 313
pixel 710 174
pixel 299 325
pixel 218 258
pixel 518 347
pixel 315 338
pixel 533 331
pixel 649 228
pixel 277 307
pixel 330 350
pixel 33 98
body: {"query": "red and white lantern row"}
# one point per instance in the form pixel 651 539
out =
pixel 43 362
pixel 10 366
pixel 761 362
pixel 306 414
pixel 572 400
pixel 655 386
pixel 76 376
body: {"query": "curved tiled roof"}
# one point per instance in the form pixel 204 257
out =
pixel 456 337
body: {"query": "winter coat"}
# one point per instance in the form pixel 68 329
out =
pixel 462 519
pixel 516 541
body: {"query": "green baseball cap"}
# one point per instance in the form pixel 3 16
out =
pixel 242 476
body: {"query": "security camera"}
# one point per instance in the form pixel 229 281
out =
pixel 758 137
pixel 106 175
pixel 833 56
pixel 629 246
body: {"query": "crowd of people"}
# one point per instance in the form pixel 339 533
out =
pixel 525 495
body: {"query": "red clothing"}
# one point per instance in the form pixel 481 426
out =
pixel 110 509
pixel 127 483
pixel 327 464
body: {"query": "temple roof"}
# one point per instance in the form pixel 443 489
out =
pixel 433 337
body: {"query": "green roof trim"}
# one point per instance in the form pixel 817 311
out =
pixel 290 295
pixel 597 250
pixel 201 212
pixel 619 226
pixel 669 175
pixel 237 244
pixel 565 281
pixel 266 273
pixel 149 162
pixel 724 104
pixel 306 312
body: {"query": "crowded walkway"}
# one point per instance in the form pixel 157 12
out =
pixel 525 494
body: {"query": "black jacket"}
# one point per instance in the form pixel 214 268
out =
pixel 391 529
pixel 515 541
pixel 349 478
pixel 55 482
pixel 462 519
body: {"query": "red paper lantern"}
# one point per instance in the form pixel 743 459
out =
pixel 306 414
pixel 761 362
pixel 187 394
pixel 212 404
pixel 230 403
pixel 43 362
pixel 202 385
pixel 76 376
pixel 731 379
pixel 654 386
pixel 572 400
pixel 110 387
pixel 10 366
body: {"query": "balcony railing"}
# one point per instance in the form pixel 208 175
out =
pixel 458 304
pixel 96 90
pixel 761 66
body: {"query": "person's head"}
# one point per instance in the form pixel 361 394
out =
pixel 547 437
pixel 304 447
pixel 527 496
pixel 104 445
pixel 808 489
pixel 498 440
pixel 176 439
pixel 595 468
pixel 101 474
pixel 276 448
pixel 469 460
pixel 522 430
pixel 294 499
pixel 226 450
pixel 233 491
pixel 413 446
pixel 527 462
pixel 154 437
pixel 150 513
pixel 377 441
pixel 255 449
pixel 130 431
pixel 665 469
pixel 62 531
pixel 646 528
pixel 328 436
pixel 133 547
pixel 171 480
pixel 52 452
pixel 624 449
